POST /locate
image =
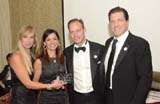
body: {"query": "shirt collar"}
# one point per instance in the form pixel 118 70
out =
pixel 123 37
pixel 83 45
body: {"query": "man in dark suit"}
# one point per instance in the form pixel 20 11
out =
pixel 81 62
pixel 124 73
pixel 5 77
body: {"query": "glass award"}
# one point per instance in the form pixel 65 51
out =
pixel 66 77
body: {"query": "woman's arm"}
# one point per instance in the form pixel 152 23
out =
pixel 37 70
pixel 18 67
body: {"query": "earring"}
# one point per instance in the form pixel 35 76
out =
pixel 44 46
pixel 59 45
pixel 33 45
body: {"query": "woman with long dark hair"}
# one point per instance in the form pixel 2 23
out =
pixel 47 67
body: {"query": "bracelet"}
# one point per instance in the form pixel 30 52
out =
pixel 49 87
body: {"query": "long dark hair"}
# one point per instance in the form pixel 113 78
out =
pixel 43 52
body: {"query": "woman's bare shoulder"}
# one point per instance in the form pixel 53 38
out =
pixel 16 56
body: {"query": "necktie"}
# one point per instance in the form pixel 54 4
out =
pixel 110 62
pixel 80 48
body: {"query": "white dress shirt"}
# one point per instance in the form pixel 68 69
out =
pixel 121 39
pixel 82 70
pixel 8 75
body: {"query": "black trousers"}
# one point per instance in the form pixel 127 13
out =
pixel 109 97
pixel 83 98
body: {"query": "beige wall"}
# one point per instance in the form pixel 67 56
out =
pixel 42 14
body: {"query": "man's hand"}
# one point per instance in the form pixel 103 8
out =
pixel 1 84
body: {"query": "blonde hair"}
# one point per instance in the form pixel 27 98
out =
pixel 26 59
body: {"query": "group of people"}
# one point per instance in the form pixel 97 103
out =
pixel 118 73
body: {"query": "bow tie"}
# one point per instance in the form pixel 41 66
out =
pixel 80 48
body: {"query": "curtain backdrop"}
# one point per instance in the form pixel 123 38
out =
pixel 41 14
pixel 5 32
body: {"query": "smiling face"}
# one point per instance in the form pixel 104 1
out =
pixel 118 23
pixel 51 42
pixel 28 39
pixel 77 32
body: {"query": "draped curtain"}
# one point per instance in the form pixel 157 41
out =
pixel 5 32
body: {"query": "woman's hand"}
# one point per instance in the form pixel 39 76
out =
pixel 57 84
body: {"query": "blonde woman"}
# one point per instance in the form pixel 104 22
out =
pixel 22 73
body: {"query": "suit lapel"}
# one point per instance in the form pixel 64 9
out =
pixel 70 59
pixel 122 54
pixel 92 64
pixel 94 53
pixel 106 50
pixel 102 59
pixel 91 60
pixel 124 51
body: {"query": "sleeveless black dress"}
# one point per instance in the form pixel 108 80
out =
pixel 49 73
pixel 21 94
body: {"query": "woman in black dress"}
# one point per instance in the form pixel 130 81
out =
pixel 22 71
pixel 47 67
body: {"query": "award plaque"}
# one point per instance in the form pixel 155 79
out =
pixel 66 77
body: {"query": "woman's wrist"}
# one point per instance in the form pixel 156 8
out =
pixel 49 87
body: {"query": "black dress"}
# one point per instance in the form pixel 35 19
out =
pixel 49 73
pixel 21 94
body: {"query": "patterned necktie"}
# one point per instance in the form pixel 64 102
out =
pixel 110 62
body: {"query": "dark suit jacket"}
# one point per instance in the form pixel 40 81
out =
pixel 95 49
pixel 7 83
pixel 132 76
pixel 3 75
